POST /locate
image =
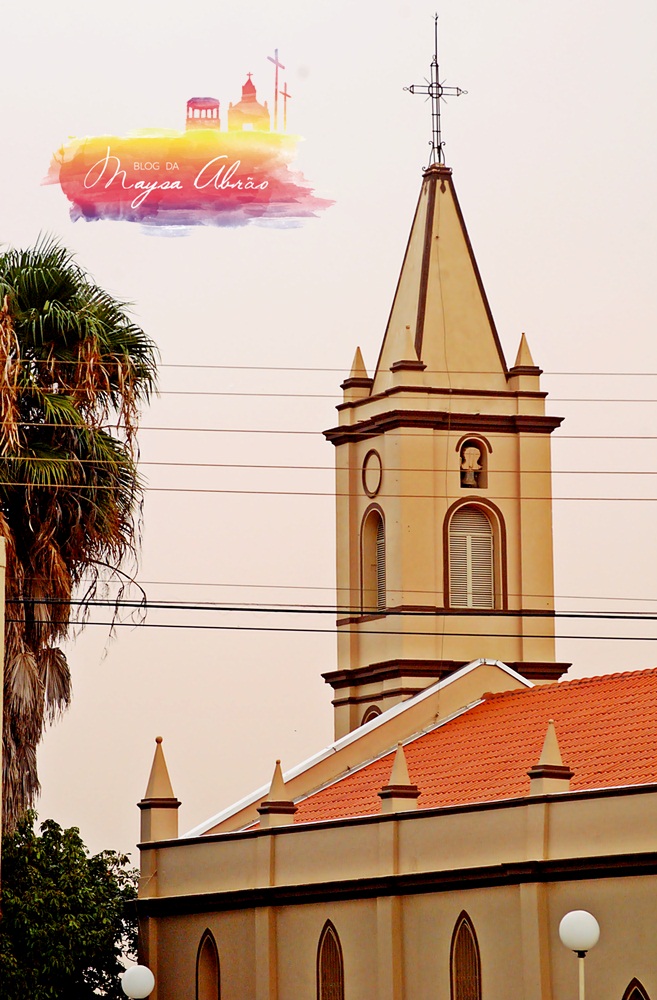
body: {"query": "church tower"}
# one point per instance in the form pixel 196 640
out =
pixel 443 484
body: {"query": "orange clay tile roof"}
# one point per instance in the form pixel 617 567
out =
pixel 606 728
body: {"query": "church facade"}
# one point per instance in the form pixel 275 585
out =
pixel 470 798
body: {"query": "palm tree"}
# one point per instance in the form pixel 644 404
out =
pixel 74 370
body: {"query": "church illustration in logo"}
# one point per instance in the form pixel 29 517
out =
pixel 216 172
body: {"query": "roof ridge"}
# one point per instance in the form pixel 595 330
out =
pixel 489 696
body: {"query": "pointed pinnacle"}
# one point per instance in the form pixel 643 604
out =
pixel 358 369
pixel 551 754
pixel 399 774
pixel 277 789
pixel 159 782
pixel 524 357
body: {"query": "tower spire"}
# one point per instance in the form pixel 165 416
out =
pixel 437 91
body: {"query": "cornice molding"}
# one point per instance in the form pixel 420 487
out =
pixel 433 390
pixel 386 670
pixel 443 420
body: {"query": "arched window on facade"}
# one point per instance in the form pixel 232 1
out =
pixel 635 991
pixel 208 978
pixel 373 563
pixel 373 712
pixel 465 963
pixel 471 559
pixel 330 970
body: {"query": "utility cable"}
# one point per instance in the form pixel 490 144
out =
pixel 633 616
pixel 335 631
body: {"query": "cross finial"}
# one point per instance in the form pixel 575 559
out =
pixel 437 91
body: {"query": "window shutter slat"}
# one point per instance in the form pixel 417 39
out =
pixel 471 567
pixel 458 570
pixel 481 593
pixel 380 567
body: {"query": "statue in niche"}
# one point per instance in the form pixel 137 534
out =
pixel 470 466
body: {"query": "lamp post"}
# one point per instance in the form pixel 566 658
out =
pixel 579 931
pixel 137 982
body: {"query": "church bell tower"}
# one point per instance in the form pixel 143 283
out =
pixel 443 484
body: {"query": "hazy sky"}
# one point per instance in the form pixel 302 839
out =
pixel 554 153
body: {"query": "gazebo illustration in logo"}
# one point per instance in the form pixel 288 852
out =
pixel 247 115
pixel 203 112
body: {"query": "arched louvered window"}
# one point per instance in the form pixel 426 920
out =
pixel 373 557
pixel 208 978
pixel 465 963
pixel 471 559
pixel 635 991
pixel 330 971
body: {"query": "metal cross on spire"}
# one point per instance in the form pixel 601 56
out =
pixel 437 91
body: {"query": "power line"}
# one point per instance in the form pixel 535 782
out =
pixel 315 468
pixel 333 588
pixel 334 631
pixel 112 362
pixel 633 616
pixel 364 435
pixel 317 493
pixel 68 392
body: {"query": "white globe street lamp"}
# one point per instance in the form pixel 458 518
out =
pixel 137 982
pixel 579 931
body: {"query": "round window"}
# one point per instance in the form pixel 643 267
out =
pixel 372 473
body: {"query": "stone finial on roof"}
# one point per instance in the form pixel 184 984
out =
pixel 550 774
pixel 278 808
pixel 159 806
pixel 399 793
pixel 524 357
pixel 524 365
pixel 359 384
pixel 159 782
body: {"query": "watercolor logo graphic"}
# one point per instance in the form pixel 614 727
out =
pixel 206 175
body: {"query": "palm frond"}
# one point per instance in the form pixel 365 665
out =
pixel 72 363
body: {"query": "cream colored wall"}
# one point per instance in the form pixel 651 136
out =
pixel 626 909
pixel 299 929
pixel 398 948
pixel 428 926
pixel 516 928
pixel 179 939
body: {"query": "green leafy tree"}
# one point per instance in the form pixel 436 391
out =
pixel 66 918
pixel 74 371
